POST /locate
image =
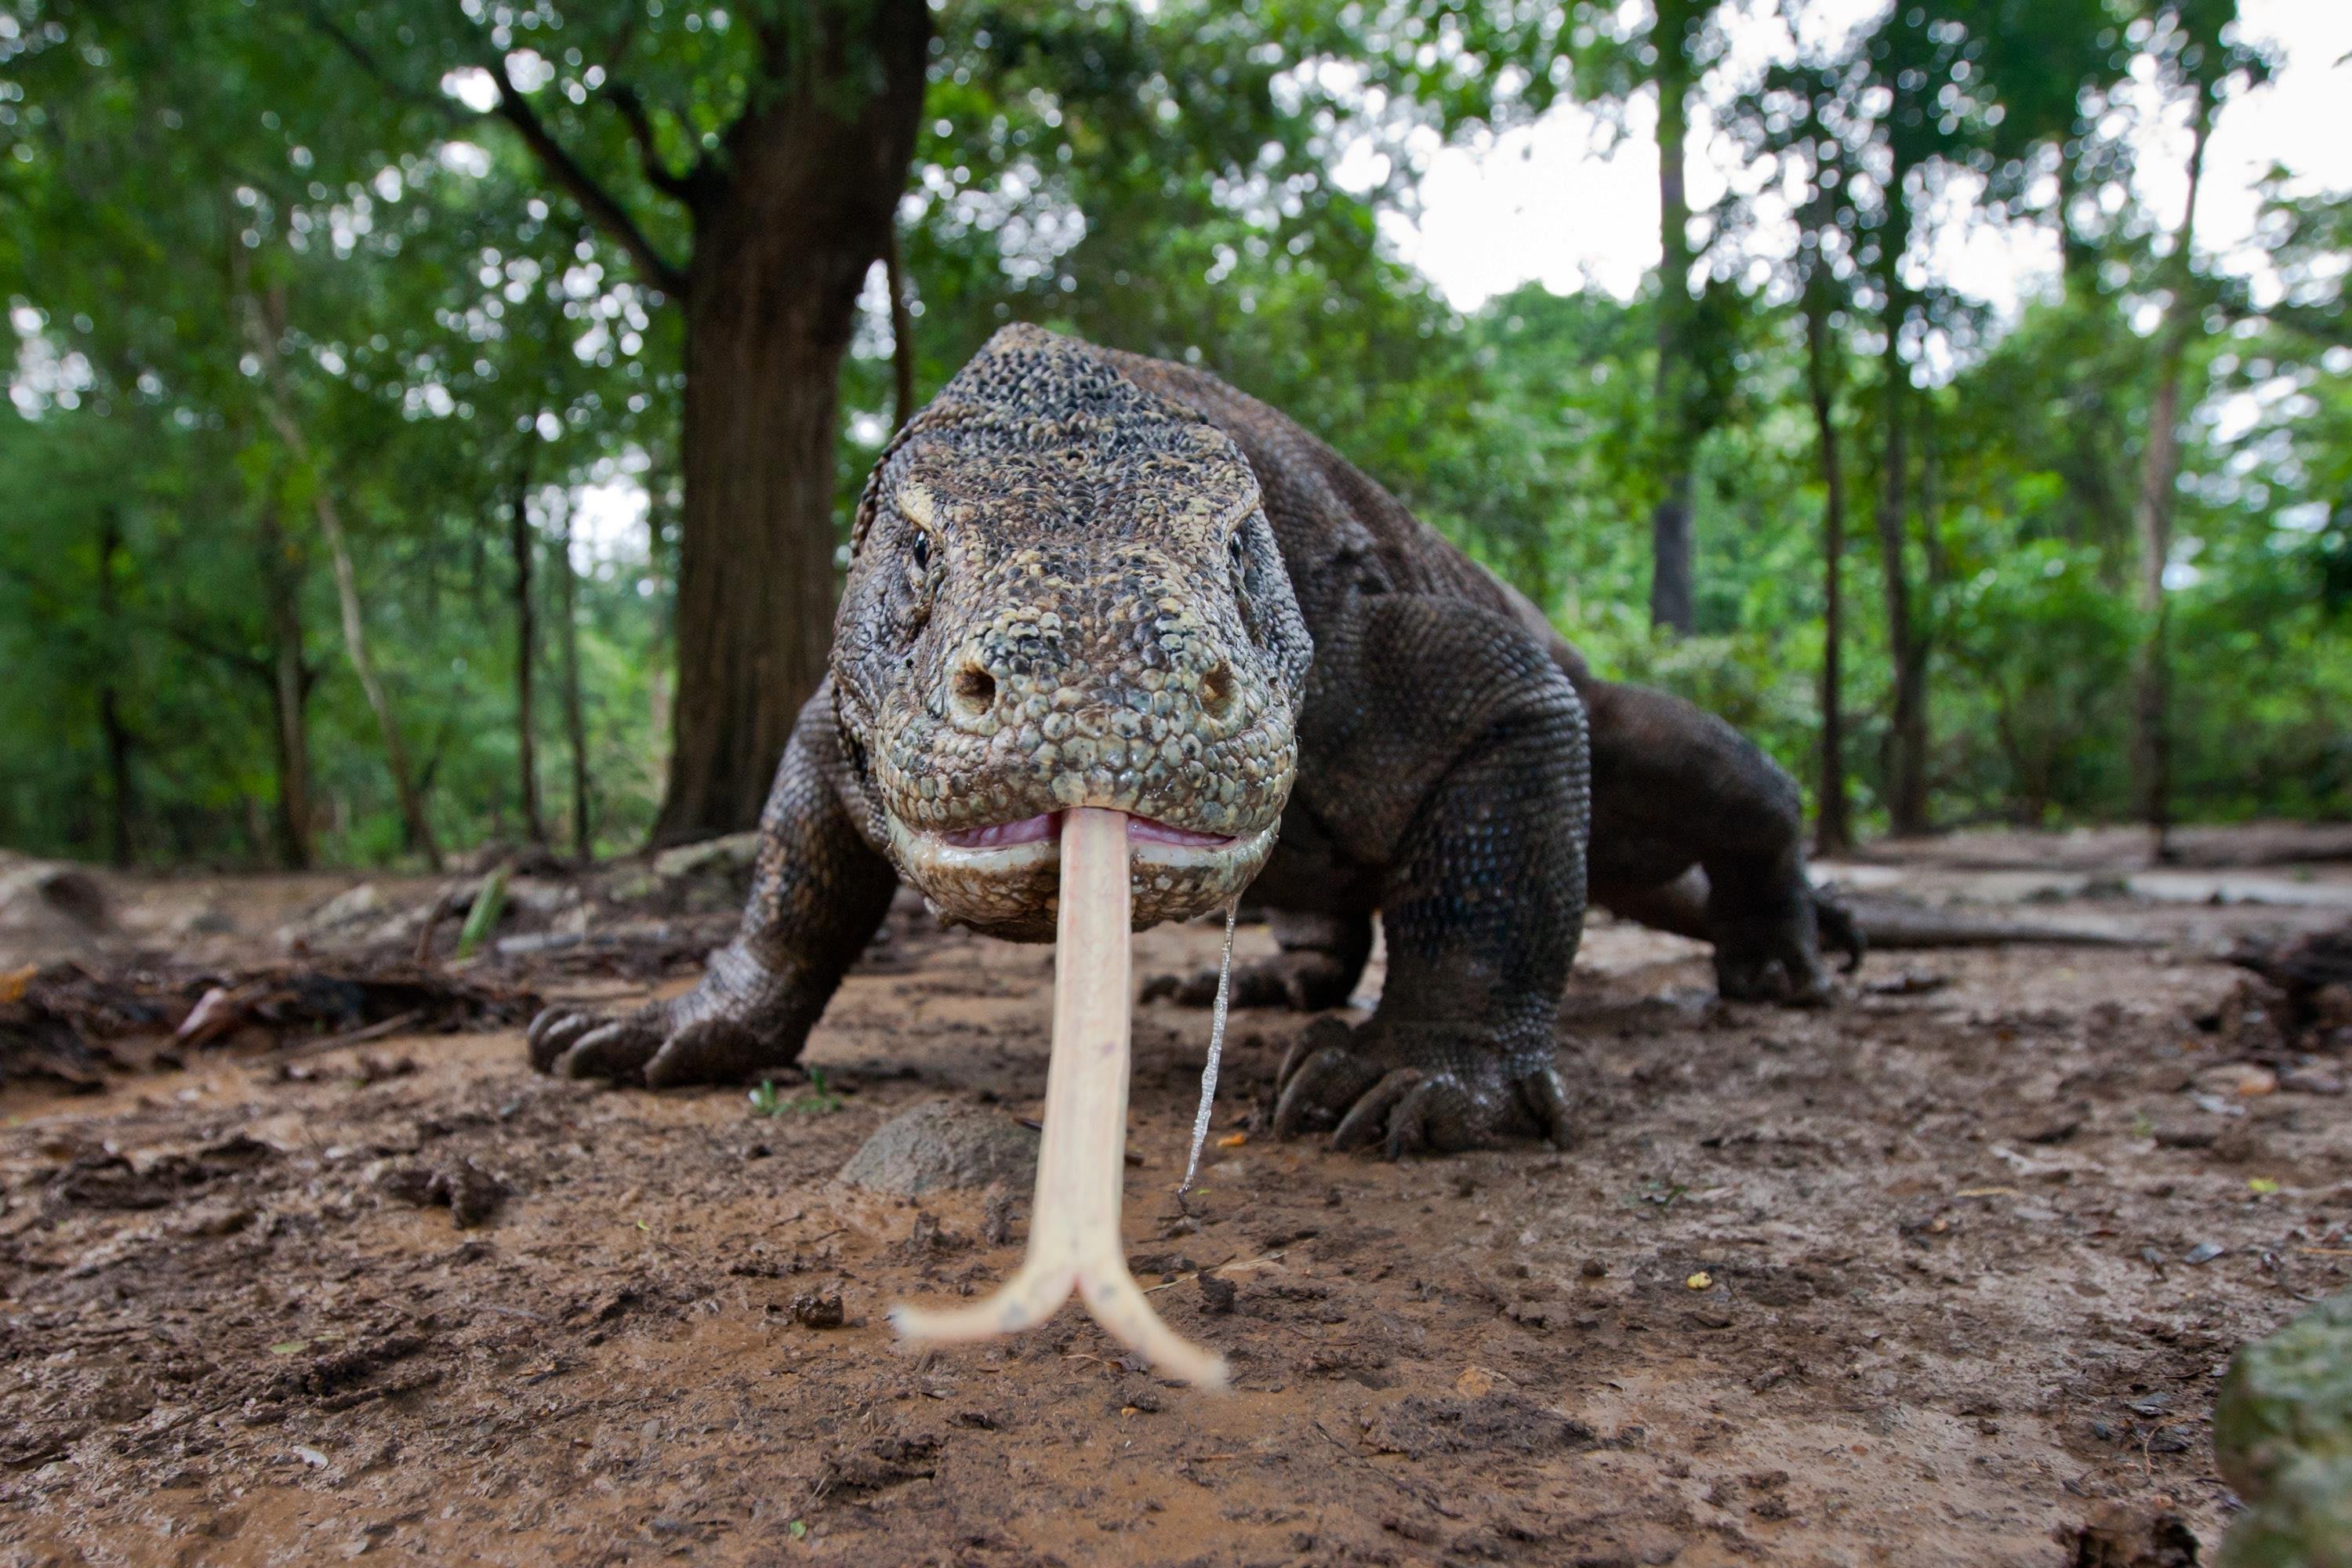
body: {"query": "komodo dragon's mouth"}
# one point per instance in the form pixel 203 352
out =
pixel 1001 877
pixel 1047 826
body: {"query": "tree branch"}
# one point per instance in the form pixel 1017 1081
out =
pixel 658 173
pixel 431 97
pixel 244 663
pixel 602 208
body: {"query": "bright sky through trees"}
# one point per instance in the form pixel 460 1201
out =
pixel 1565 202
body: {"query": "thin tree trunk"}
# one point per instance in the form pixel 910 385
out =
pixel 1937 579
pixel 783 246
pixel 1833 823
pixel 1906 791
pixel 902 333
pixel 520 544
pixel 275 406
pixel 2152 518
pixel 121 802
pixel 575 725
pixel 1907 742
pixel 290 690
pixel 1670 519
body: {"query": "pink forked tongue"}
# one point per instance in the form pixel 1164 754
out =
pixel 1074 1240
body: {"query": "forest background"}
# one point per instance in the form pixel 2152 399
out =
pixel 436 422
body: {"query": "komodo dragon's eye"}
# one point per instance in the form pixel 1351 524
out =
pixel 1237 552
pixel 915 601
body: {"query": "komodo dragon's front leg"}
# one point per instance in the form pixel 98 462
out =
pixel 1460 750
pixel 818 893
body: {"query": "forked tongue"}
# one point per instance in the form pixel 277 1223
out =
pixel 1074 1240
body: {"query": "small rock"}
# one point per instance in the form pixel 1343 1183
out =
pixel 942 1144
pixel 2311 1080
pixel 2056 1126
pixel 346 908
pixel 42 888
pixel 472 1194
pixel 406 1182
pixel 996 1216
pixel 818 1311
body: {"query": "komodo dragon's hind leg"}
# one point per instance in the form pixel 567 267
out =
pixel 1675 787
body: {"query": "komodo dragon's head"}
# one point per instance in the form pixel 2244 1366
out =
pixel 1063 590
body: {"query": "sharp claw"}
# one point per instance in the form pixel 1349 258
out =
pixel 1367 1119
pixel 1291 1060
pixel 600 1053
pixel 1311 1091
pixel 1546 1092
pixel 1412 1124
pixel 554 1033
pixel 1322 1034
pixel 713 1052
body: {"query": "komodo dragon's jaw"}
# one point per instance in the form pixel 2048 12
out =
pixel 1063 590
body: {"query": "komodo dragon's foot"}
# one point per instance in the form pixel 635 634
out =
pixel 1416 1087
pixel 1308 981
pixel 722 1031
pixel 1774 954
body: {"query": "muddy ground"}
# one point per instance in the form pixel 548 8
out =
pixel 1934 1276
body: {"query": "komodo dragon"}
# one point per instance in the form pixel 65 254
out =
pixel 1081 577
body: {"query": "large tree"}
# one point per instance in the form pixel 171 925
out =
pixel 2200 56
pixel 1672 53
pixel 749 160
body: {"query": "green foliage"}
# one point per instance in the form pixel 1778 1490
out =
pixel 1159 178
pixel 818 1101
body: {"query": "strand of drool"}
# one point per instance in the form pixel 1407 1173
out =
pixel 1216 1054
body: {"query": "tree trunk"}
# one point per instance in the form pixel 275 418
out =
pixel 520 544
pixel 1670 519
pixel 1907 741
pixel 902 335
pixel 290 690
pixel 2152 517
pixel 782 245
pixel 575 726
pixel 1833 823
pixel 417 826
pixel 120 801
pixel 1906 794
pixel 1933 593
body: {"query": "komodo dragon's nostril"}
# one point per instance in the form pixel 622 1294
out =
pixel 1217 691
pixel 973 692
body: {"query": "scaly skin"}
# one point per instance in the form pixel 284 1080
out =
pixel 1084 578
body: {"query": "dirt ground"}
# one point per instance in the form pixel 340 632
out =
pixel 1931 1276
